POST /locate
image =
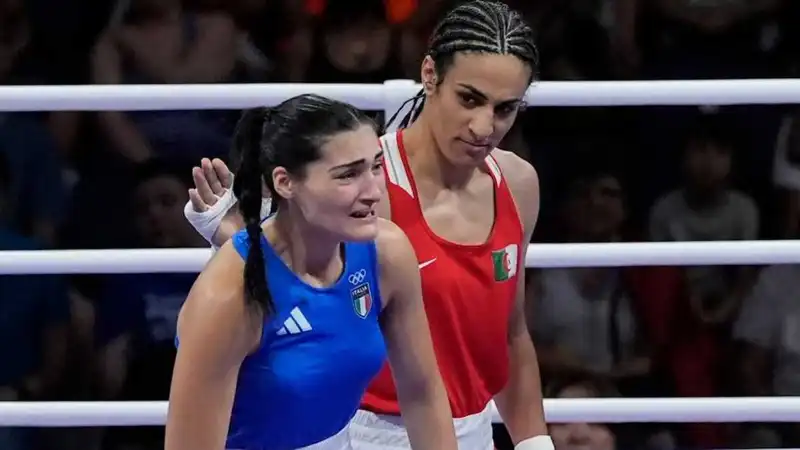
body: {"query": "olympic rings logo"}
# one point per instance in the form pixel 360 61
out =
pixel 357 277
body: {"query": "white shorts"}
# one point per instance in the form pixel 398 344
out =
pixel 339 441
pixel 370 431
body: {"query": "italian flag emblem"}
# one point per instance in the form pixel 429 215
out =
pixel 505 262
pixel 362 300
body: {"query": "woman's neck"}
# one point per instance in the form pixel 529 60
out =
pixel 307 250
pixel 428 162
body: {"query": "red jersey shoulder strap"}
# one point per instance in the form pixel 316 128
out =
pixel 397 172
pixel 494 170
pixel 395 168
pixel 506 206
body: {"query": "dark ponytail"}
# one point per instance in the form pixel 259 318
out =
pixel 249 137
pixel 290 136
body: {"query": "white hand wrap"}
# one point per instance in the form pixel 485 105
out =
pixel 536 443
pixel 207 222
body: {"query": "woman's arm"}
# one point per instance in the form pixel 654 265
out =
pixel 520 402
pixel 122 134
pixel 420 389
pixel 209 58
pixel 215 332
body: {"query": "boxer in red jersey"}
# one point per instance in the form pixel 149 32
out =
pixel 444 174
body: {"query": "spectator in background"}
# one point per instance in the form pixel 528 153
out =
pixel 583 436
pixel 35 193
pixel 583 320
pixel 706 208
pixel 396 39
pixel 14 35
pixel 34 319
pixel 768 328
pixel 353 43
pixel 786 173
pixel 598 322
pixel 157 41
pixel 572 40
pixel 699 38
pixel 147 42
pixel 137 313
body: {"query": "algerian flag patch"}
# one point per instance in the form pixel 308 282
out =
pixel 504 262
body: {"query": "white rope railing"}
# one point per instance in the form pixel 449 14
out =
pixel 390 94
pixel 605 410
pixel 387 96
pixel 539 255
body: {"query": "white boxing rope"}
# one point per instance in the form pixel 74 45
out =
pixel 153 97
pixel 703 253
pixel 539 255
pixel 381 96
pixel 188 260
pixel 605 410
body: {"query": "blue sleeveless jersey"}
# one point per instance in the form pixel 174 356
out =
pixel 318 353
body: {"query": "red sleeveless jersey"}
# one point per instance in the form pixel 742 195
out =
pixel 468 290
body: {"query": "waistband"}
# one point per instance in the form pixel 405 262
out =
pixel 339 441
pixel 370 431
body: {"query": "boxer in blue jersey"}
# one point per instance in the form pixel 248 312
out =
pixel 291 319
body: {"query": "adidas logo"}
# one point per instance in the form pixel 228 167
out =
pixel 295 324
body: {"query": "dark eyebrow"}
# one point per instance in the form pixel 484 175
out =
pixel 474 91
pixel 355 163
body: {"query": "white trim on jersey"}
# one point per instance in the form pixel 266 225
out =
pixel 395 169
pixel 295 324
pixel 494 169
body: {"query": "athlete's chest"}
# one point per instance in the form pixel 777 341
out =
pixel 307 343
pixel 468 284
pixel 491 267
pixel 467 244
pixel 466 217
pixel 468 291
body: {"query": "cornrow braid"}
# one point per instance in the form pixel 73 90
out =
pixel 481 26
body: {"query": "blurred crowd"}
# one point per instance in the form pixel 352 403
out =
pixel 119 180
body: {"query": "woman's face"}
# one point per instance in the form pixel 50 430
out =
pixel 337 193
pixel 159 212
pixel 475 103
pixel 362 46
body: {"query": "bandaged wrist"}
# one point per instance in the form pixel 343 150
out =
pixel 207 222
pixel 536 443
